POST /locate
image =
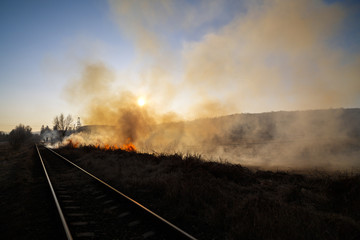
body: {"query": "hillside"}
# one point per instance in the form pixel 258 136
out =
pixel 325 139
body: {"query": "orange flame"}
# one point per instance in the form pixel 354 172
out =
pixel 72 143
pixel 130 147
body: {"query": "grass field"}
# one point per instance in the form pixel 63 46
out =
pixel 215 200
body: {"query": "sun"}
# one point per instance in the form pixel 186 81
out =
pixel 141 101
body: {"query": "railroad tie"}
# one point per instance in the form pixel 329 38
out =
pixel 101 196
pixel 77 214
pixel 71 207
pixel 148 234
pixel 64 196
pixel 124 214
pixel 108 201
pixel 110 209
pixel 134 223
pixel 79 223
pixel 113 208
pixel 85 234
pixel 62 192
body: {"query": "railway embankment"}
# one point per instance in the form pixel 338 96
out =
pixel 26 207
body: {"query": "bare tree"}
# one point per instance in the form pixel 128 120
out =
pixel 68 121
pixel 56 123
pixel 61 123
pixel 44 129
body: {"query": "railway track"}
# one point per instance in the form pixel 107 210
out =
pixel 92 209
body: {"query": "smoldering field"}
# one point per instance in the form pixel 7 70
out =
pixel 301 140
pixel 324 139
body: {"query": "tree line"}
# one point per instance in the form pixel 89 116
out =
pixel 22 134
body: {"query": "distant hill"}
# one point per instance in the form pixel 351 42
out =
pixel 237 128
pixel 314 138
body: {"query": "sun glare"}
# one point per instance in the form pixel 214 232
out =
pixel 141 101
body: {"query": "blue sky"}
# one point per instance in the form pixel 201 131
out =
pixel 191 51
pixel 36 33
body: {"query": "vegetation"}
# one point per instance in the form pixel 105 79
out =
pixel 213 200
pixel 3 136
pixel 62 124
pixel 19 135
pixel 44 130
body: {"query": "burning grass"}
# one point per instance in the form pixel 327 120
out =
pixel 129 146
pixel 215 200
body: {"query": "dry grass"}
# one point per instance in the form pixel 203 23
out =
pixel 224 201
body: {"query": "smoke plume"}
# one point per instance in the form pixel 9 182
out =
pixel 268 55
pixel 117 111
pixel 211 59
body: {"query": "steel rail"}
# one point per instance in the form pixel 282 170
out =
pixel 179 230
pixel 66 228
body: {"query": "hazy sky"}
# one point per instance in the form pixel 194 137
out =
pixel 193 58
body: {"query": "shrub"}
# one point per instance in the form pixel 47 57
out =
pixel 19 135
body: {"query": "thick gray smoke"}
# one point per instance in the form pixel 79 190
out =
pixel 322 139
pixel 273 55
